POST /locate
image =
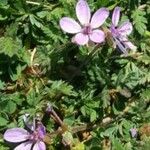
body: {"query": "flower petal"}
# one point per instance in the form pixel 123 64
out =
pixel 116 16
pixel 16 135
pixel 126 28
pixel 83 12
pixel 39 146
pixel 134 132
pixel 99 17
pixel 69 25
pixel 121 46
pixel 24 146
pixel 41 130
pixel 129 45
pixel 81 39
pixel 97 36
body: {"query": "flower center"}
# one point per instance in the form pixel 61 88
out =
pixel 35 136
pixel 87 30
pixel 38 134
pixel 114 31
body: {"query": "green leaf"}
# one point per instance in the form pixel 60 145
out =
pixel 117 145
pixel 105 97
pixel 145 145
pixel 60 87
pixel 79 146
pixel 17 75
pixel 145 95
pixel 2 84
pixel 9 46
pixel 67 138
pixel 93 116
pixel 35 22
pixel 145 59
pixel 7 105
pixel 3 2
pixel 83 111
pixel 32 98
pixel 3 121
pixel 139 20
pixel 10 107
pixel 109 132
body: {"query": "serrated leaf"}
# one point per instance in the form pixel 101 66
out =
pixel 35 22
pixel 9 46
pixel 60 87
pixel 139 20
pixel 144 58
pixel 145 95
pixel 17 75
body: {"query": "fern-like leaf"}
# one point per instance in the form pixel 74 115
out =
pixel 139 20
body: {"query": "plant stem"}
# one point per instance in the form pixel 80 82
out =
pixel 57 117
pixel 38 4
pixel 105 123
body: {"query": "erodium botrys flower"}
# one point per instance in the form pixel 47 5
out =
pixel 120 33
pixel 32 139
pixel 134 132
pixel 88 27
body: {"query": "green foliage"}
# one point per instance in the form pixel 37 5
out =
pixel 139 20
pixel 3 122
pixel 145 95
pixel 117 145
pixel 8 46
pixel 99 97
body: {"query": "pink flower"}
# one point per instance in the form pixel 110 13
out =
pixel 134 132
pixel 34 138
pixel 120 33
pixel 88 27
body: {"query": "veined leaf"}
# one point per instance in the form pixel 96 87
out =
pixel 139 20
pixel 9 46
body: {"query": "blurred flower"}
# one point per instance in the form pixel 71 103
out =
pixel 88 28
pixel 49 108
pixel 133 132
pixel 121 32
pixel 33 138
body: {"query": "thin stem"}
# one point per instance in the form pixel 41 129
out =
pixel 33 3
pixel 32 66
pixel 38 4
pixel 57 117
pixel 105 123
pixel 84 127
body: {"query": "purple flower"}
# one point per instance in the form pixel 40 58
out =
pixel 133 132
pixel 49 108
pixel 88 27
pixel 121 32
pixel 30 139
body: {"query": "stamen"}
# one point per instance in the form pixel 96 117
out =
pixel 87 30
